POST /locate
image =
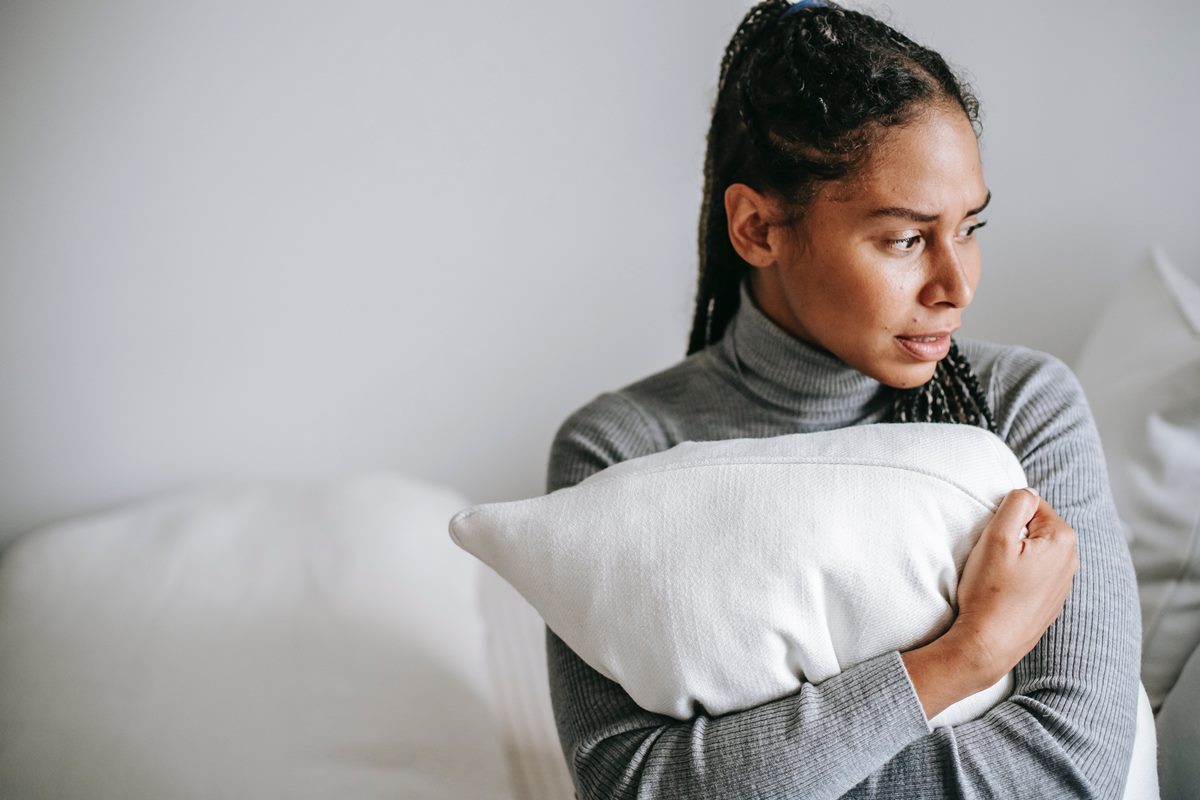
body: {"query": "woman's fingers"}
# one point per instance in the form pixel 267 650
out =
pixel 1012 588
pixel 1000 540
pixel 1047 522
pixel 1048 532
pixel 1016 511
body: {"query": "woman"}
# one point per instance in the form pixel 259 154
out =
pixel 843 192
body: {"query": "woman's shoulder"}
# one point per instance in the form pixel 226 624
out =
pixel 1005 367
pixel 1027 389
pixel 623 423
pixel 986 357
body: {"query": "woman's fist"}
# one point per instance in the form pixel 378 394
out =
pixel 1014 585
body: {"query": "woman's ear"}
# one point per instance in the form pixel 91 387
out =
pixel 752 218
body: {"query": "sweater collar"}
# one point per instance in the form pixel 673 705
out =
pixel 796 376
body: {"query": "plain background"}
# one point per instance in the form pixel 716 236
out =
pixel 299 240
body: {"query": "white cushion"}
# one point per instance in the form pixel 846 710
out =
pixel 1179 732
pixel 1140 369
pixel 264 642
pixel 723 574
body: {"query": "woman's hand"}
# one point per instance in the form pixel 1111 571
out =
pixel 1011 589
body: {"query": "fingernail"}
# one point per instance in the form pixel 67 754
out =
pixel 1033 492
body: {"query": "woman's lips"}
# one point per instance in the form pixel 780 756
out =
pixel 928 346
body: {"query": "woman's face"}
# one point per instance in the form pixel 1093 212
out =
pixel 880 267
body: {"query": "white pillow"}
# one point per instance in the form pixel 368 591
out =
pixel 1140 369
pixel 750 565
pixel 251 643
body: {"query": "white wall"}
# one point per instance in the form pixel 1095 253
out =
pixel 292 240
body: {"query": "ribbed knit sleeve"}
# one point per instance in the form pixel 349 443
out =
pixel 1068 729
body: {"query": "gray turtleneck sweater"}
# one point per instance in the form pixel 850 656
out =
pixel 1067 731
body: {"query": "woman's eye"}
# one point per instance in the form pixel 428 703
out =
pixel 904 244
pixel 969 231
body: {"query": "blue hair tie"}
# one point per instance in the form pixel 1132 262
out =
pixel 803 4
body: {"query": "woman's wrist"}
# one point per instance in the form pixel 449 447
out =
pixel 950 668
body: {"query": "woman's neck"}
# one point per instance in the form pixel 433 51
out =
pixel 793 375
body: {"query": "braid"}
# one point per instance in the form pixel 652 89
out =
pixel 717 286
pixel 951 395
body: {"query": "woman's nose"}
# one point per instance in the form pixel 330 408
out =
pixel 950 279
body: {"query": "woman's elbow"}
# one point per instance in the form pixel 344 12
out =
pixel 614 767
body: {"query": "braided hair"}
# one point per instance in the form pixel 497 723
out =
pixel 801 98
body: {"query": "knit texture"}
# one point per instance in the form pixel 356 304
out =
pixel 1068 729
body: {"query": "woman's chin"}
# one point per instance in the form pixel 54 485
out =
pixel 907 376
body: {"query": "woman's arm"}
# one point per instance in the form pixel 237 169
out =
pixel 1011 588
pixel 818 742
pixel 1068 729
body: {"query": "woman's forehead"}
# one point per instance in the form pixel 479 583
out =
pixel 930 166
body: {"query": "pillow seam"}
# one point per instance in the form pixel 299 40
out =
pixel 598 479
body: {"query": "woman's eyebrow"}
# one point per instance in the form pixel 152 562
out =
pixel 982 206
pixel 920 216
